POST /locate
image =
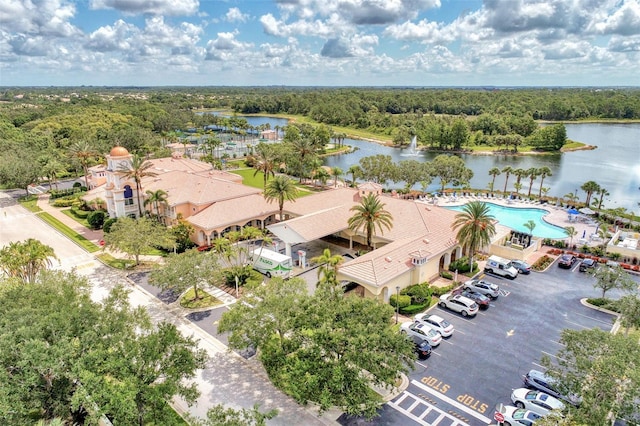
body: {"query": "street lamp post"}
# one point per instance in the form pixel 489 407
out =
pixel 397 302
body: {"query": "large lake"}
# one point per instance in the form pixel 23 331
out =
pixel 615 164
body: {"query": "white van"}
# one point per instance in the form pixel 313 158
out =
pixel 500 266
pixel 271 263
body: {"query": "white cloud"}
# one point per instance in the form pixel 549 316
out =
pixel 49 18
pixel 226 44
pixel 234 15
pixel 423 31
pixel 623 21
pixel 151 7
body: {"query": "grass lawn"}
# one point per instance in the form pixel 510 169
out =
pixel 116 263
pixel 64 229
pixel 30 203
pixel 206 300
pixel 249 179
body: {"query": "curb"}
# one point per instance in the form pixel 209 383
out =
pixel 616 325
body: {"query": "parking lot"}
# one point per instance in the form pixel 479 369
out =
pixel 471 372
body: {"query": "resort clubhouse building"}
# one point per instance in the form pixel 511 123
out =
pixel 416 249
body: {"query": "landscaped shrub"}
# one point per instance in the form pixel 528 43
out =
pixel 106 227
pixel 446 275
pixel 439 291
pixel 77 212
pixel 542 263
pixel 419 293
pixel 96 219
pixel 414 309
pixel 462 265
pixel 63 202
pixel 403 301
pixel 612 305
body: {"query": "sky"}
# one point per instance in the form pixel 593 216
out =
pixel 320 43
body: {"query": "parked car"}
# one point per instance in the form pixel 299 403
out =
pixel 482 300
pixel 437 323
pixel 535 379
pixel 484 287
pixel 423 348
pixel 536 401
pixel 458 303
pixel 514 416
pixel 522 266
pixel 421 330
pixel 566 261
pixel 587 264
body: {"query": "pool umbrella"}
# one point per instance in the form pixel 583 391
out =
pixel 587 210
pixel 573 211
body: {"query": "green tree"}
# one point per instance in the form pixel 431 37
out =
pixel 601 368
pixel 530 225
pixel 235 250
pixel 85 153
pixel 266 161
pixel 369 215
pixel 138 236
pixel 475 227
pixel 183 271
pixel 53 169
pixel 328 269
pixel 336 172
pixel 311 345
pixel 520 173
pixel 590 188
pixel 279 189
pixel 494 172
pixel 137 170
pixel 355 171
pixel 603 193
pixel 571 232
pixel 25 260
pixel 377 168
pixel 610 277
pixel 450 169
pixel 532 173
pixel 412 172
pixel 17 170
pixel 67 357
pixel 156 198
pixel 517 186
pixel 543 172
pixel 221 416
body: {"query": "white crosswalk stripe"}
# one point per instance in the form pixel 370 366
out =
pixel 419 409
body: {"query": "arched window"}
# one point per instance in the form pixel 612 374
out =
pixel 128 195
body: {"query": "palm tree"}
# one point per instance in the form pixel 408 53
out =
pixel 532 173
pixel 155 198
pixel 571 232
pixel 266 161
pixel 355 171
pixel 530 225
pixel 84 152
pixel 25 260
pixel 321 175
pixel 475 227
pixel 572 197
pixel 603 193
pixel 369 214
pixel 590 187
pixel 494 172
pixel 518 187
pixel 280 188
pixel 328 269
pixel 137 170
pixel 520 173
pixel 543 172
pixel 507 171
pixel 52 169
pixel 336 172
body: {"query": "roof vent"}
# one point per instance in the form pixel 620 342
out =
pixel 425 241
pixel 388 259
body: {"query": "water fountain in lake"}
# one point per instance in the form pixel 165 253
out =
pixel 413 147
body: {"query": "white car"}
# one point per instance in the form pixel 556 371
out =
pixel 536 401
pixel 458 303
pixel 439 324
pixel 421 330
pixel 514 416
pixel 483 287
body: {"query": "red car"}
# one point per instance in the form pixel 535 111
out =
pixel 482 300
pixel 566 261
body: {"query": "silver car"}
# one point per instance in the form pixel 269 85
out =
pixel 483 287
pixel 421 330
pixel 536 401
pixel 457 303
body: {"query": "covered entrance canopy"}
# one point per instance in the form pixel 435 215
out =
pixel 311 227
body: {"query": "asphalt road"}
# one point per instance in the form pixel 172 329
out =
pixel 471 372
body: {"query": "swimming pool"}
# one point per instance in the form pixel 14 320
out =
pixel 515 218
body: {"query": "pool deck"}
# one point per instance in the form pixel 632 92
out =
pixel 556 216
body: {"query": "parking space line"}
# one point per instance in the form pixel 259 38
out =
pixel 576 324
pixel 552 355
pixel 407 413
pixel 451 402
pixel 592 318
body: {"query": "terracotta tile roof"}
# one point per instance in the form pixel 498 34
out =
pixel 197 189
pixel 168 164
pixel 231 211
